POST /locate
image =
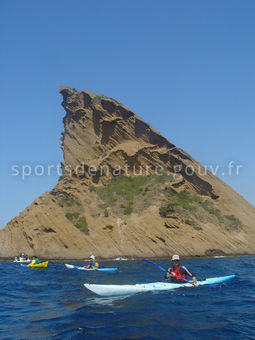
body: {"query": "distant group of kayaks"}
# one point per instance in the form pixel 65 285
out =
pixel 125 290
pixel 23 258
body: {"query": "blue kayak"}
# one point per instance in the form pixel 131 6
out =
pixel 100 269
pixel 121 290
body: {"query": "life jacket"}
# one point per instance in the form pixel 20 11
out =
pixel 179 277
pixel 93 265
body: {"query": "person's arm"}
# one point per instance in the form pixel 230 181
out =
pixel 194 280
pixel 168 273
pixel 89 266
pixel 191 275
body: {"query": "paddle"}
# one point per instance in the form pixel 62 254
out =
pixel 161 268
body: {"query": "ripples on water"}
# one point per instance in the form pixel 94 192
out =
pixel 53 303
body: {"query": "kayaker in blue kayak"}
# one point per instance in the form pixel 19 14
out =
pixel 179 273
pixel 92 264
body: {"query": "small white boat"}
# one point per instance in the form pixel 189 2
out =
pixel 22 258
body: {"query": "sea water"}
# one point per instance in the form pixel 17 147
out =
pixel 52 303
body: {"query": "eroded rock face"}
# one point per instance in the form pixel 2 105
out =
pixel 92 210
pixel 101 134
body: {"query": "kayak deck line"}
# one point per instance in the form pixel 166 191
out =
pixel 122 290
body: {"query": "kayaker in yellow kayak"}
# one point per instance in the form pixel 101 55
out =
pixel 35 260
pixel 92 264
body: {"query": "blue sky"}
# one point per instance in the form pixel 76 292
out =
pixel 186 67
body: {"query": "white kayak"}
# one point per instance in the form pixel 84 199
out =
pixel 101 269
pixel 122 290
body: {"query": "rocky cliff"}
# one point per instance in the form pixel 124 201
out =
pixel 128 191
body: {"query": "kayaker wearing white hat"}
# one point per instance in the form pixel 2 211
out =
pixel 92 263
pixel 179 273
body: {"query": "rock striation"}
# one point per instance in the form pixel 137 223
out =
pixel 128 191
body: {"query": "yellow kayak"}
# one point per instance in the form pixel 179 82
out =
pixel 39 265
